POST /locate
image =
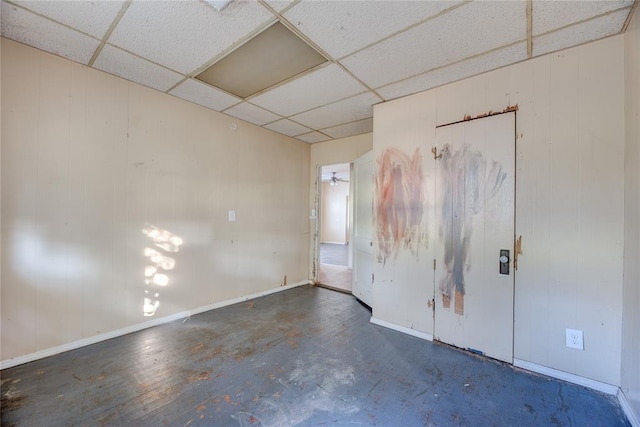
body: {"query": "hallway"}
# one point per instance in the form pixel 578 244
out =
pixel 334 271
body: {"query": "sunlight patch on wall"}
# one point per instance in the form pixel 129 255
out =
pixel 157 264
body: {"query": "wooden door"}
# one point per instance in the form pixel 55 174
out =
pixel 363 229
pixel 475 204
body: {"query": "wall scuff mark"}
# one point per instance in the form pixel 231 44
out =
pixel 468 182
pixel 399 187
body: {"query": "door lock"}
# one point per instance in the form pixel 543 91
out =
pixel 504 261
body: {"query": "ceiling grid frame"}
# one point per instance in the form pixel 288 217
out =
pixel 106 36
pixel 596 20
pixel 311 43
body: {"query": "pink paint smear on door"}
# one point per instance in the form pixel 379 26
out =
pixel 399 183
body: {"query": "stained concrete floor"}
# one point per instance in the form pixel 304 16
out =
pixel 307 356
pixel 334 254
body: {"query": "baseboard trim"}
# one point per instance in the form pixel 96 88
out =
pixel 403 329
pixel 561 375
pixel 628 410
pixel 10 363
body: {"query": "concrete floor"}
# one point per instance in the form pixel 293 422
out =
pixel 307 356
pixel 334 254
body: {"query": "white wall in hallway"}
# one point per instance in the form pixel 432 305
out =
pixel 631 313
pixel 334 212
pixel 89 161
pixel 569 209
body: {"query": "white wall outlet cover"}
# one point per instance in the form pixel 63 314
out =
pixel 575 339
pixel 232 216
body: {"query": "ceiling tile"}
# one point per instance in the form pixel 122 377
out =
pixel 252 114
pixel 268 59
pixel 184 35
pixel 202 94
pixel 551 15
pixel 25 27
pixel 345 111
pixel 116 61
pixel 350 129
pixel 580 33
pixel 91 17
pixel 287 127
pixel 468 30
pixel 312 90
pixel 458 71
pixel 313 137
pixel 279 5
pixel 342 27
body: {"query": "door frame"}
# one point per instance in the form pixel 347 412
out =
pixel 317 233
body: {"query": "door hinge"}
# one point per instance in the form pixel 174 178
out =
pixel 372 277
pixel 434 263
pixel 517 252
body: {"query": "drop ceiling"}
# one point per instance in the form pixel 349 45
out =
pixel 375 50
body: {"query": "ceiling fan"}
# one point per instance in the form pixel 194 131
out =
pixel 335 180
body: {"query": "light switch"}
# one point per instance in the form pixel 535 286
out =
pixel 232 216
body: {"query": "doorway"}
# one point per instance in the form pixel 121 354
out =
pixel 334 260
pixel 475 215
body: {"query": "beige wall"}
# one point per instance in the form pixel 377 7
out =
pixel 344 150
pixel 334 212
pixel 569 209
pixel 631 313
pixel 89 160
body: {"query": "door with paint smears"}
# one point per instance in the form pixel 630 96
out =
pixel 475 204
pixel 363 229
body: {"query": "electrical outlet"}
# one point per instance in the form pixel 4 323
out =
pixel 575 339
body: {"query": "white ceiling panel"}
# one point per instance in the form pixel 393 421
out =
pixel 458 71
pixel 287 127
pixel 350 129
pixel 312 90
pixel 468 30
pixel 580 33
pixel 91 17
pixel 342 27
pixel 252 114
pixel 313 137
pixel 396 47
pixel 345 111
pixel 116 61
pixel 551 15
pixel 279 5
pixel 202 94
pixel 183 35
pixel 25 27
